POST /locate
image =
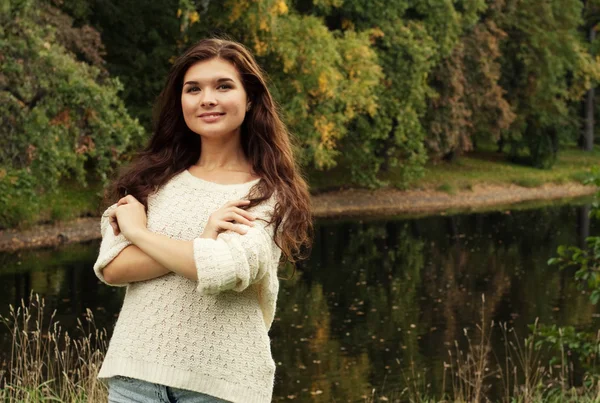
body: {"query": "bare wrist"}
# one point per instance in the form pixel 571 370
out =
pixel 135 236
pixel 209 235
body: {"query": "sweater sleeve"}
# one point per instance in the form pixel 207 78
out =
pixel 234 261
pixel 110 246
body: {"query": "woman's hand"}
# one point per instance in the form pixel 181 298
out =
pixel 129 217
pixel 222 219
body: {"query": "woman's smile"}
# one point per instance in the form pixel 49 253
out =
pixel 211 117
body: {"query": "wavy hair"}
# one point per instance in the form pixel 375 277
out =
pixel 265 140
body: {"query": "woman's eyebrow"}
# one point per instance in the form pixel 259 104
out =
pixel 218 80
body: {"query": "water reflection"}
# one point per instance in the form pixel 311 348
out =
pixel 375 298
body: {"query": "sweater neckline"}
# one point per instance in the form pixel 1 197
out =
pixel 214 185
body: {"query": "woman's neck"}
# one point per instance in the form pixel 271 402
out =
pixel 221 155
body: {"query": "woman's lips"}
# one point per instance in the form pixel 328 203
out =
pixel 210 118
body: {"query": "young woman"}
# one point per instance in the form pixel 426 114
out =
pixel 200 222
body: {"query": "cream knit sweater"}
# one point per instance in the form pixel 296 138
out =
pixel 208 336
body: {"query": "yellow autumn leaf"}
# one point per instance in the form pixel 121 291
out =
pixel 263 25
pixel 194 17
pixel 327 131
pixel 323 83
pixel 260 48
pixel 279 8
pixel 238 8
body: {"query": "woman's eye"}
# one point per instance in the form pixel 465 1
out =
pixel 193 89
pixel 224 87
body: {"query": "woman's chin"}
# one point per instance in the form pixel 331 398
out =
pixel 213 133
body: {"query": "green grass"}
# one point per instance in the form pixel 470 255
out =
pixel 528 182
pixel 69 201
pixel 447 188
pixel 490 168
pixel 485 167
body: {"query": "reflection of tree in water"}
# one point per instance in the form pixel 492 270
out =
pixel 64 277
pixel 312 362
pixel 376 296
pixel 460 270
pixel 504 256
pixel 368 275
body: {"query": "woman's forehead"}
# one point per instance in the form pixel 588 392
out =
pixel 211 71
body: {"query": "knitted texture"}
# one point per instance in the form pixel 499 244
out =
pixel 209 336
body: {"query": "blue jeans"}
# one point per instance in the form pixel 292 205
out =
pixel 122 389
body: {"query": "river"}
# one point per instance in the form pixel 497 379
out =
pixel 378 301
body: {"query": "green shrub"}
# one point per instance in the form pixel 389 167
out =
pixel 61 119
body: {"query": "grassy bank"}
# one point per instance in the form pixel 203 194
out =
pixel 486 167
pixel 490 168
pixel 69 201
pixel 478 168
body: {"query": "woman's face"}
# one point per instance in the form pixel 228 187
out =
pixel 213 99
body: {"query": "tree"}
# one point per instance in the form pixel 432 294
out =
pixel 141 38
pixel 60 118
pixel 470 105
pixel 591 12
pixel 545 67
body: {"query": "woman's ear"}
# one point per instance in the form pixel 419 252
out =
pixel 248 106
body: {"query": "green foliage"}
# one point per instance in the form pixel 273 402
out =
pixel 544 67
pixel 392 139
pixel 583 346
pixel 60 118
pixel 141 50
pixel 586 261
pixel 379 87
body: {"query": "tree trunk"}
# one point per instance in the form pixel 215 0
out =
pixel 583 224
pixel 588 134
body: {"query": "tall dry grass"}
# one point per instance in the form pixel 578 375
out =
pixel 45 362
pixel 518 374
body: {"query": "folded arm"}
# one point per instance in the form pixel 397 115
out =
pixel 132 265
pixel 229 261
pixel 120 262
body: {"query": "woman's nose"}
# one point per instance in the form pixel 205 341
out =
pixel 208 99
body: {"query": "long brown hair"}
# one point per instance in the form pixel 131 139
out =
pixel 265 140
